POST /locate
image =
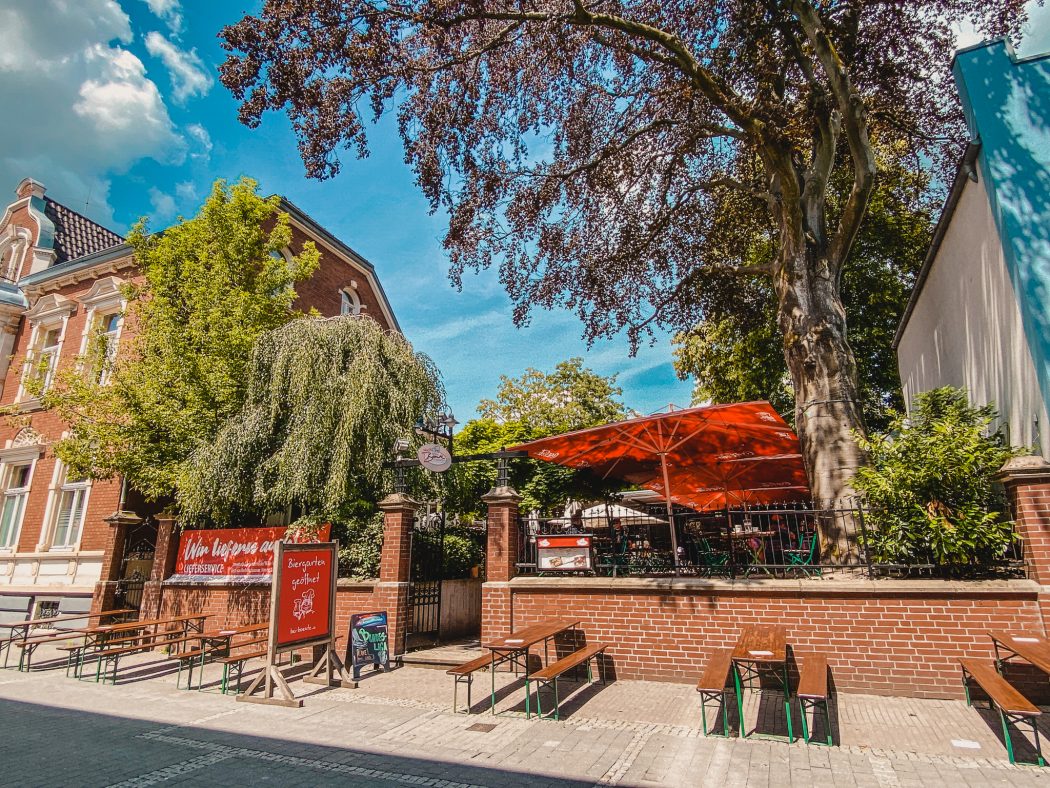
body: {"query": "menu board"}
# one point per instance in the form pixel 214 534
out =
pixel 564 553
pixel 304 584
pixel 368 641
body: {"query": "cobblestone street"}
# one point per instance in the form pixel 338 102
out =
pixel 398 728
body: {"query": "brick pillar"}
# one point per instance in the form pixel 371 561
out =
pixel 112 559
pixel 501 555
pixel 395 567
pixel 1027 483
pixel 165 552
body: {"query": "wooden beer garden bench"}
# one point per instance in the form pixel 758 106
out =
pixel 218 643
pixel 813 692
pixel 20 630
pixel 712 686
pixel 237 659
pixel 550 674
pixel 1005 698
pixel 465 673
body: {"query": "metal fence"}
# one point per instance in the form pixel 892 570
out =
pixel 787 540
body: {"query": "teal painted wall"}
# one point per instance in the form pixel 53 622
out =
pixel 1007 106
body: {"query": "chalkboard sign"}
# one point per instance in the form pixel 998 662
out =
pixel 368 642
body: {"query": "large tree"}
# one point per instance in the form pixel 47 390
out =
pixel 610 155
pixel 211 286
pixel 732 354
pixel 326 398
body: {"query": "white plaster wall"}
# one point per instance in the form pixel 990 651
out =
pixel 966 327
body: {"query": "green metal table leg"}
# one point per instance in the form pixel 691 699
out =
pixel 739 698
pixel 528 692
pixel 1006 736
pixel 787 703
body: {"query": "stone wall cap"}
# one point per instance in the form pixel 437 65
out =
pixel 775 586
pixel 1028 467
pixel 396 501
pixel 502 495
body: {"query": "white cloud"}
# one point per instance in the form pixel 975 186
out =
pixel 163 206
pixel 200 135
pixel 185 192
pixel 168 10
pixel 189 75
pixel 84 104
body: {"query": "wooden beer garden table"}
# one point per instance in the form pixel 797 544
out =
pixel 515 647
pixel 20 629
pixel 761 650
pixel 1029 648
pixel 97 637
pixel 220 640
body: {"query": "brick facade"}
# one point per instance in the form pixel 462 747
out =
pixel 43 282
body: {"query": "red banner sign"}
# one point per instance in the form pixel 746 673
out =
pixel 304 593
pixel 231 552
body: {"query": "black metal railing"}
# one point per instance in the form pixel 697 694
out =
pixel 783 540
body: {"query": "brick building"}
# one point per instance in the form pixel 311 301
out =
pixel 60 281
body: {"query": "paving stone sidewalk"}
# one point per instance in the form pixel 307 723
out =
pixel 398 729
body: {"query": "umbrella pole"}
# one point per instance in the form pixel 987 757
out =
pixel 670 512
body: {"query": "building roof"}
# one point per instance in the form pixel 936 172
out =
pixel 75 235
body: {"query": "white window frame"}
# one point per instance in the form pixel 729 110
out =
pixel 7 493
pixel 349 301
pixel 103 299
pixel 51 311
pixel 58 493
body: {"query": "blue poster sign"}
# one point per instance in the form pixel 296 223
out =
pixel 368 642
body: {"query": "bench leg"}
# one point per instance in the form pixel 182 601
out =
pixel 528 694
pixel 805 723
pixel 719 698
pixel 787 704
pixel 1018 720
pixel 557 703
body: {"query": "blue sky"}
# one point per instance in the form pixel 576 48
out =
pixel 120 114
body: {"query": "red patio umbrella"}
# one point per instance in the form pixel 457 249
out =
pixel 722 455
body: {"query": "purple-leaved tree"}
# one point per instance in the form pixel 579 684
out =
pixel 609 155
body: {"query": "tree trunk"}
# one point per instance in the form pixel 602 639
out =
pixel 824 373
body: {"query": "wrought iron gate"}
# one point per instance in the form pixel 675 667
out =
pixel 428 564
pixel 139 548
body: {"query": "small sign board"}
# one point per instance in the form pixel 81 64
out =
pixel 369 644
pixel 434 457
pixel 564 553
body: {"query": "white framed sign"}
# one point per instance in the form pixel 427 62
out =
pixel 564 553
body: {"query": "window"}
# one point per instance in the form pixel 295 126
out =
pixel 47 609
pixel 349 303
pixel 16 490
pixel 69 519
pixel 45 355
pixel 108 335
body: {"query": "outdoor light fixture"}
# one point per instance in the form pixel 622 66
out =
pixel 400 445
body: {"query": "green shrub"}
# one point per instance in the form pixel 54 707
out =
pixel 929 485
pixel 361 544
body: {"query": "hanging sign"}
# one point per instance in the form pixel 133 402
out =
pixel 221 554
pixel 434 457
pixel 368 642
pixel 568 553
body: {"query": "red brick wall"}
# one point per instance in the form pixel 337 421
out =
pixel 239 605
pixel 884 638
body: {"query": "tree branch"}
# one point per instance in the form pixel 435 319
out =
pixel 852 110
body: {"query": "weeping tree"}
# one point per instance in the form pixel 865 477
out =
pixel 326 400
pixel 610 155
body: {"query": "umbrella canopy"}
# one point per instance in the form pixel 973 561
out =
pixel 603 514
pixel 719 455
